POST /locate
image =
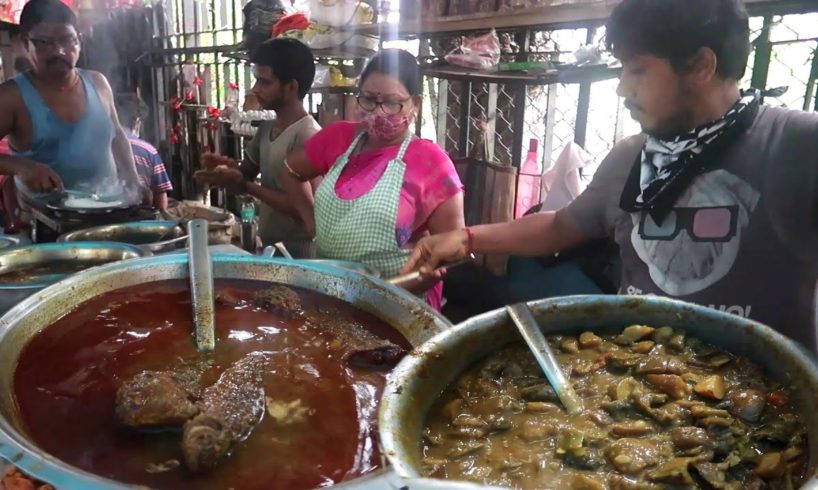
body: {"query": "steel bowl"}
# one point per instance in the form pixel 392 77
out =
pixel 86 254
pixel 8 241
pixel 419 379
pixel 154 236
pixel 406 313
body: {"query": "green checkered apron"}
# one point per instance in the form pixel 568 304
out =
pixel 362 229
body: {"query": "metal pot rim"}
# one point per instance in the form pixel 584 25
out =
pixel 11 241
pixel 125 247
pixel 72 235
pixel 402 389
pixel 19 450
pixel 345 264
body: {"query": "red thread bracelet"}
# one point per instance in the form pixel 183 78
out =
pixel 469 240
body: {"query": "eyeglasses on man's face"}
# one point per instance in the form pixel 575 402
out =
pixel 67 42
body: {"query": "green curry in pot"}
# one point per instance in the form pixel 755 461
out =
pixel 662 411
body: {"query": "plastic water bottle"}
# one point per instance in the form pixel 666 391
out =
pixel 529 182
pixel 249 226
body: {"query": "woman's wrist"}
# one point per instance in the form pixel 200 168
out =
pixel 468 242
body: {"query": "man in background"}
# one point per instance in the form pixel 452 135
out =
pixel 149 166
pixel 284 70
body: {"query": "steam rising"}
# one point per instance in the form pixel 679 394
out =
pixel 114 190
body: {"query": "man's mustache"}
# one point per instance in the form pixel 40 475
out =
pixel 632 106
pixel 56 60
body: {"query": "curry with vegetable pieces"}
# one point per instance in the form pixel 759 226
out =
pixel 662 410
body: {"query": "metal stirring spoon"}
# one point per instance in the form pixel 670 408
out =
pixel 281 248
pixel 530 330
pixel 201 286
pixel 407 280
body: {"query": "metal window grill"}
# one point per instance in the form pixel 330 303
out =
pixel 591 114
pixel 203 32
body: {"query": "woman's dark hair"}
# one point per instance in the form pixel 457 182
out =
pixel 676 29
pixel 289 59
pixel 399 64
pixel 51 11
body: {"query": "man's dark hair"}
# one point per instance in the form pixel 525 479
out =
pixel 289 59
pixel 51 11
pixel 399 64
pixel 676 29
pixel 130 108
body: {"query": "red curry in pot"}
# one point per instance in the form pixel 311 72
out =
pixel 318 428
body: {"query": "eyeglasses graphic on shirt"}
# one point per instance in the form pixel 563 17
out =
pixel 707 224
pixel 369 104
pixel 66 42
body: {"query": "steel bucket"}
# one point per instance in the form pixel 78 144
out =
pixel 419 379
pixel 405 312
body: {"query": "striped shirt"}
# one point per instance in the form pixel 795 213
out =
pixel 149 166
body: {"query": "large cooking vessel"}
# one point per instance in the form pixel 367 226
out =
pixel 345 264
pixel 406 313
pixel 420 378
pixel 44 256
pixel 154 236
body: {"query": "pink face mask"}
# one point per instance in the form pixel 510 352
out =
pixel 384 127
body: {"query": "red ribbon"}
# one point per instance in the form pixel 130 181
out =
pixel 176 103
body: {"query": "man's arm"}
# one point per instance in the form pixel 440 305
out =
pixel 249 168
pixel 35 176
pixel 277 200
pixel 588 217
pixel 160 200
pixel 532 236
pixel 120 147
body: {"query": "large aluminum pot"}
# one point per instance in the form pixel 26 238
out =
pixel 405 312
pixel 40 258
pixel 420 378
pixel 345 264
pixel 154 236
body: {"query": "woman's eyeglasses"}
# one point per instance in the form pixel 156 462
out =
pixel 369 104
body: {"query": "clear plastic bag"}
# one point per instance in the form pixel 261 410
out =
pixel 339 13
pixel 478 53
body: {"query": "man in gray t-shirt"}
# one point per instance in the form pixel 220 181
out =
pixel 737 239
pixel 716 203
pixel 284 71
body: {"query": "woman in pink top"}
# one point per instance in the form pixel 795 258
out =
pixel 383 188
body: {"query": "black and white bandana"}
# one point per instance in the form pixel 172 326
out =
pixel 666 167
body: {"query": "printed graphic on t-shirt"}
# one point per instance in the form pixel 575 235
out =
pixel 697 244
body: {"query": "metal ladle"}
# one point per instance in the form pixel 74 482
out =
pixel 201 286
pixel 281 248
pixel 530 330
pixel 407 280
